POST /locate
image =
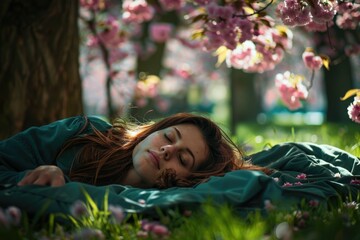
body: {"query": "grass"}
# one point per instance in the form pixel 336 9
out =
pixel 305 222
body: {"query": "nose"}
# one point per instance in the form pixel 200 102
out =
pixel 168 151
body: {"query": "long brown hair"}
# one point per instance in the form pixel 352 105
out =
pixel 105 157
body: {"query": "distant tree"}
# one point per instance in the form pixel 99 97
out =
pixel 39 69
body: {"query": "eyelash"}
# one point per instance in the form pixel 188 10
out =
pixel 167 138
pixel 180 158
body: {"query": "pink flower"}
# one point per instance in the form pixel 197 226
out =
pixel 313 203
pixel 160 32
pixel 160 230
pixel 269 206
pixel 298 184
pixel 93 4
pixel 137 11
pixel 117 212
pixel 287 184
pixel 89 233
pixel 322 11
pixel 311 61
pixel 355 182
pixel 301 176
pixel 13 215
pixel 354 110
pixel 291 89
pixel 216 11
pixel 294 12
pixel 170 5
pixel 318 27
pixel 78 209
pixel 110 35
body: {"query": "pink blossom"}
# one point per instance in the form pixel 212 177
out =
pixel 117 55
pixel 323 11
pixel 301 176
pixel 93 4
pixel 216 11
pixel 354 110
pixel 203 2
pixel 311 61
pixel 92 41
pixel 291 89
pixel 137 11
pixel 13 214
pixel 89 233
pixel 160 32
pixel 263 52
pixel 170 5
pixel 78 209
pixel 314 203
pixel 298 184
pixel 348 15
pixel 224 31
pixel 355 182
pixel 287 184
pixel 154 227
pixel 117 212
pixel 268 205
pixel 111 35
pixel 160 230
pixel 294 12
pixel 243 56
pixel 318 27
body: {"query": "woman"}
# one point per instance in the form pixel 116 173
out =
pixel 180 150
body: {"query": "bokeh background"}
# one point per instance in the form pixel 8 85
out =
pixel 53 65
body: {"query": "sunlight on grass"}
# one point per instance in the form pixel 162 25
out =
pixel 254 137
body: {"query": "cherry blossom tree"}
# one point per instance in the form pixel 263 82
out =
pixel 249 35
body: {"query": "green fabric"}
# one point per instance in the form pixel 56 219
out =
pixel 40 145
pixel 329 172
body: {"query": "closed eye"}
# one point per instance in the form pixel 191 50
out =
pixel 182 161
pixel 167 138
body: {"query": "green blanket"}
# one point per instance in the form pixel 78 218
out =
pixel 303 171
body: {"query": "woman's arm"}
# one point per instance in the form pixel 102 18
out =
pixel 34 147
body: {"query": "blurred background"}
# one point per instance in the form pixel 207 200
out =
pixel 65 58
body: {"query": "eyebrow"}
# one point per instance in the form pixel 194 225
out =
pixel 178 133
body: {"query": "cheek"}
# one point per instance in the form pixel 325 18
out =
pixel 181 172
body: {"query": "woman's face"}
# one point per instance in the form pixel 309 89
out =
pixel 180 147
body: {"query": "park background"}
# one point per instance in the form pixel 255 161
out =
pixel 60 58
pixel 53 66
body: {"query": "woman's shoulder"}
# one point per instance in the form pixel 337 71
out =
pixel 98 122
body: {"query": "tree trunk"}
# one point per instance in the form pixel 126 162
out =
pixel 39 68
pixel 152 65
pixel 338 80
pixel 245 102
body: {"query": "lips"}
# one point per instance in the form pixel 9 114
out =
pixel 154 159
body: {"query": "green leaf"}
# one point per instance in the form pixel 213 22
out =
pixel 91 202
